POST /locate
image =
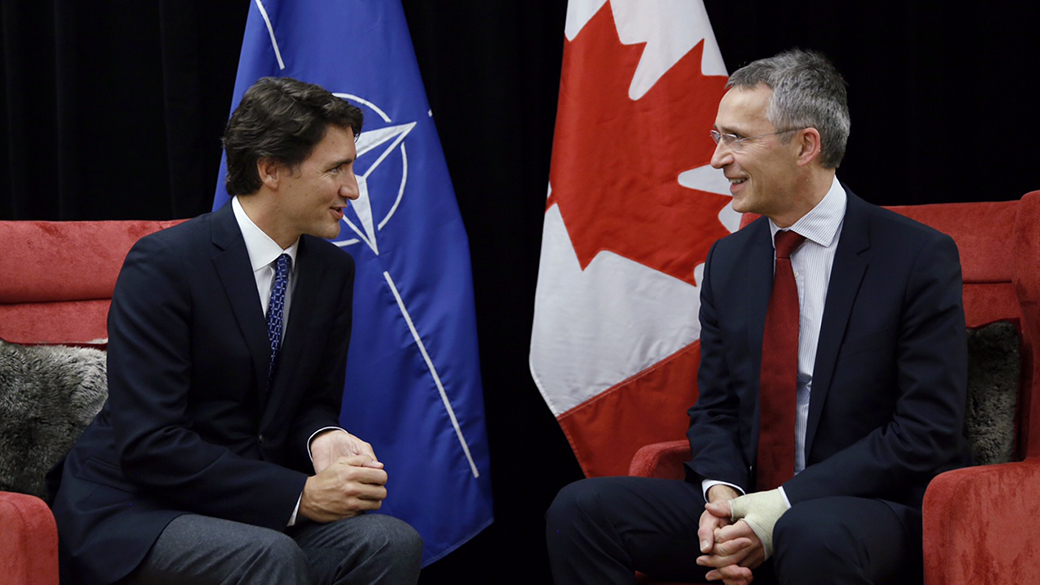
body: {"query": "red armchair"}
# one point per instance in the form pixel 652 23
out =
pixel 980 523
pixel 55 289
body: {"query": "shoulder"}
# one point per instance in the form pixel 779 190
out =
pixel 192 233
pixel 752 235
pixel 329 255
pixel 890 230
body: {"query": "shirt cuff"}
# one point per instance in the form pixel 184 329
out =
pixel 783 495
pixel 315 434
pixel 292 519
pixel 708 483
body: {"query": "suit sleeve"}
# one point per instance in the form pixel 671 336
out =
pixel 150 370
pixel 923 433
pixel 714 419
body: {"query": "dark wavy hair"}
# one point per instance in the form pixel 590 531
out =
pixel 281 119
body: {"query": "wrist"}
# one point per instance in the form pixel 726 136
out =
pixel 722 493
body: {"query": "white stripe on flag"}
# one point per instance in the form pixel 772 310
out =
pixel 270 31
pixel 433 372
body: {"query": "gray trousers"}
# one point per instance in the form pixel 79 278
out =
pixel 367 549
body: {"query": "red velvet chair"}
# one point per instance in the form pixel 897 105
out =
pixel 981 523
pixel 55 288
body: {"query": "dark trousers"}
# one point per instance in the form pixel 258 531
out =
pixel 364 550
pixel 601 530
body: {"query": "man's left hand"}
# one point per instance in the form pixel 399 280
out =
pixel 329 446
pixel 759 511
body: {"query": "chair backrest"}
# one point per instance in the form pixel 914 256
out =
pixel 58 276
pixel 999 245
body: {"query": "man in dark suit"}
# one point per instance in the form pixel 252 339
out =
pixel 809 468
pixel 218 457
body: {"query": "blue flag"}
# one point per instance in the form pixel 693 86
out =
pixel 413 385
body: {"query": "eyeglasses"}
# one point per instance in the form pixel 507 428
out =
pixel 736 141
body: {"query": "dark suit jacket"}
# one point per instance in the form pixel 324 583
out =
pixel 191 425
pixel 890 380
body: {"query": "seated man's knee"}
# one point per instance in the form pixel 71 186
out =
pixel 578 501
pixel 394 539
pixel 808 542
pixel 277 553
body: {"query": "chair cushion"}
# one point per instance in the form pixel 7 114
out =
pixel 48 395
pixel 993 381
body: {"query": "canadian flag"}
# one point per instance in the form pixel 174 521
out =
pixel 632 211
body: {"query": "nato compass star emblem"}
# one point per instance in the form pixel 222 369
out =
pixel 382 160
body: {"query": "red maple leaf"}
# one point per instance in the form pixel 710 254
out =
pixel 616 162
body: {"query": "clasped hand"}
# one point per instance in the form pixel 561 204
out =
pixel 729 533
pixel 349 479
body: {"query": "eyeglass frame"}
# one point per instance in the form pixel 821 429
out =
pixel 736 142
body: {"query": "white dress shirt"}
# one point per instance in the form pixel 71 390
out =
pixel 812 263
pixel 263 251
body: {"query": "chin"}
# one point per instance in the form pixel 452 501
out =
pixel 325 231
pixel 332 232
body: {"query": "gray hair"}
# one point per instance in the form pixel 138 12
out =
pixel 808 92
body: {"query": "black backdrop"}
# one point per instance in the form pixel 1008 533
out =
pixel 114 109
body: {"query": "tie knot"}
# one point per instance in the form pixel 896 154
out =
pixel 282 266
pixel 787 242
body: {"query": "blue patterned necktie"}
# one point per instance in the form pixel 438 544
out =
pixel 274 310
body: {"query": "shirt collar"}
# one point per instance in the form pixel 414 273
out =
pixel 823 222
pixel 261 248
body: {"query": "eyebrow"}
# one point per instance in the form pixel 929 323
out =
pixel 341 162
pixel 727 130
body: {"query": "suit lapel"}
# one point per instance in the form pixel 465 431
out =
pixel 850 264
pixel 759 280
pixel 231 261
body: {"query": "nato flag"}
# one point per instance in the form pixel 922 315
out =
pixel 413 386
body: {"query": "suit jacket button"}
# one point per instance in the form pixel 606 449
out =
pixel 261 438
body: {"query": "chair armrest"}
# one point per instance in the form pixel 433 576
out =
pixel 980 525
pixel 663 460
pixel 28 541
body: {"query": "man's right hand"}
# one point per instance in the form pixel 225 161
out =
pixel 709 522
pixel 724 555
pixel 346 488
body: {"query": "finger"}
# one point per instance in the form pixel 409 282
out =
pixel 730 575
pixel 739 529
pixel 732 547
pixel 717 576
pixel 734 573
pixel 366 449
pixel 360 460
pixel 717 560
pixel 720 509
pixel 371 496
pixel 706 531
pixel 368 476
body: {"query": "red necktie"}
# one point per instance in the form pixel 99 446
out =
pixel 778 385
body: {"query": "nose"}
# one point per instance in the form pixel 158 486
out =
pixel 349 188
pixel 722 155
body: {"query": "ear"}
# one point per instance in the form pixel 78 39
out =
pixel 270 172
pixel 809 145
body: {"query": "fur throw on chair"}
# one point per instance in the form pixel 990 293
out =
pixel 48 395
pixel 994 368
